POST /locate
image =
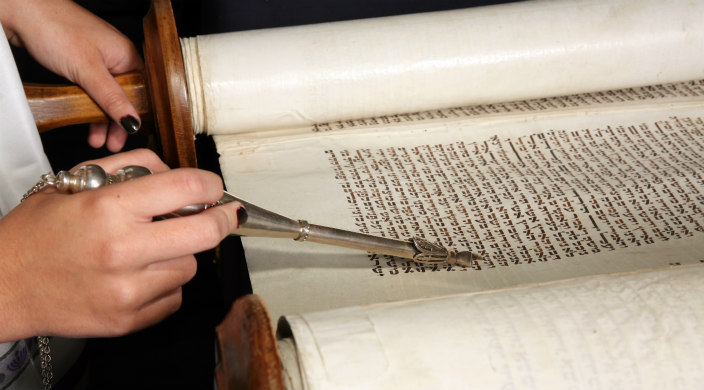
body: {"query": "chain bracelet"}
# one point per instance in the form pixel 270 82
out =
pixel 47 180
pixel 45 360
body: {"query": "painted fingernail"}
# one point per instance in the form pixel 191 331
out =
pixel 241 216
pixel 130 123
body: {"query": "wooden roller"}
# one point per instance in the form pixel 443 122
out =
pixel 64 105
pixel 249 357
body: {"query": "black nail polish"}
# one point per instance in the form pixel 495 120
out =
pixel 130 123
pixel 241 216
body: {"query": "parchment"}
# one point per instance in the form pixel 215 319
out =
pixel 556 196
pixel 632 331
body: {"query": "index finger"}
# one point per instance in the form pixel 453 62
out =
pixel 154 195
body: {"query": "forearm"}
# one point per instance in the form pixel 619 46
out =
pixel 15 311
pixel 8 10
pixel 16 15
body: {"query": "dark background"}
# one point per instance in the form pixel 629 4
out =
pixel 179 352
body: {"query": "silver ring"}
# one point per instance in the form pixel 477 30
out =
pixel 304 230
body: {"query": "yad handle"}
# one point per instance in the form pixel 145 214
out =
pixel 353 240
pixel 259 222
pixel 416 249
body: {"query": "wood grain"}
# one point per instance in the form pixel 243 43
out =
pixel 166 81
pixel 249 356
pixel 56 106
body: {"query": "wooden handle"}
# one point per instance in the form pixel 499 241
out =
pixel 249 355
pixel 63 105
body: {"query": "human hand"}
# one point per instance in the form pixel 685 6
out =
pixel 72 42
pixel 95 263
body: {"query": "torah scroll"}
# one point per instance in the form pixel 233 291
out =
pixel 600 177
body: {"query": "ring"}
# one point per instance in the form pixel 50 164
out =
pixel 304 227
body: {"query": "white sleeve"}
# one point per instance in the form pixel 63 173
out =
pixel 22 158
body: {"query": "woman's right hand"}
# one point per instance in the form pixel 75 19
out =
pixel 95 263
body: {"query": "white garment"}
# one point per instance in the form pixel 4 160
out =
pixel 22 162
pixel 22 158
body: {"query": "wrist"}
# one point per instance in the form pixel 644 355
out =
pixel 15 300
pixel 8 12
pixel 18 15
pixel 15 314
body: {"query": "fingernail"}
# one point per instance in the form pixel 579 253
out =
pixel 241 216
pixel 130 123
